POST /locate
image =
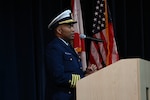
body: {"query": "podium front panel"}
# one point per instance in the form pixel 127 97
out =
pixel 126 79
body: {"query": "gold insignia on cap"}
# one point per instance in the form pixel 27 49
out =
pixel 67 21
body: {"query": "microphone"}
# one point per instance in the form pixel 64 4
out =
pixel 82 36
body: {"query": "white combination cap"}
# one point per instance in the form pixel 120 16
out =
pixel 64 18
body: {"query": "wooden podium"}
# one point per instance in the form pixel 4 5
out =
pixel 126 79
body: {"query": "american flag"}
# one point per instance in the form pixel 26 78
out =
pixel 79 44
pixel 103 53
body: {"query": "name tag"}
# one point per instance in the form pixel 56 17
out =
pixel 67 53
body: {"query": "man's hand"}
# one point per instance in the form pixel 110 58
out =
pixel 91 69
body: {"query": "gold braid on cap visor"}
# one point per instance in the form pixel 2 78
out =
pixel 67 21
